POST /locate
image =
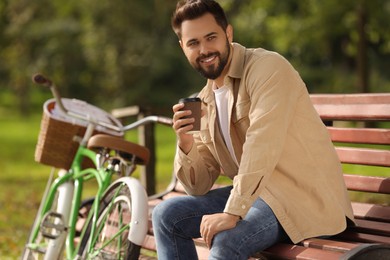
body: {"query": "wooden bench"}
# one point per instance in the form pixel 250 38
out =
pixel 352 121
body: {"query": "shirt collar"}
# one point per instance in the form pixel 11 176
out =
pixel 237 64
pixel 235 70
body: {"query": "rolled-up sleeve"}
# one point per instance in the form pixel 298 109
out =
pixel 197 170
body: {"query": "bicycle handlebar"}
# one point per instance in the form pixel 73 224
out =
pixel 149 119
pixel 44 81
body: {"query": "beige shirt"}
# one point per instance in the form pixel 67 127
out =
pixel 284 150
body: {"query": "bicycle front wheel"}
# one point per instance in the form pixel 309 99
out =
pixel 110 239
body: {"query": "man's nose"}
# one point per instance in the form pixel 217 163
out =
pixel 203 49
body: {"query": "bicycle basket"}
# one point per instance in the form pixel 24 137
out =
pixel 55 146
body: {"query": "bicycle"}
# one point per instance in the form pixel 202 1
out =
pixel 86 143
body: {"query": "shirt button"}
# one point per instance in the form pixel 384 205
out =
pixel 243 206
pixel 189 161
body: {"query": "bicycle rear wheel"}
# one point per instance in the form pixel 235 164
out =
pixel 110 240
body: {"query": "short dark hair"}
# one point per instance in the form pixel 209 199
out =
pixel 192 9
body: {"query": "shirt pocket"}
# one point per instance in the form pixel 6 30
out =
pixel 240 115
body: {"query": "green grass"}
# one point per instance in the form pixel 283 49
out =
pixel 22 180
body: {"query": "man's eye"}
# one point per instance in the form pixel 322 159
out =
pixel 192 44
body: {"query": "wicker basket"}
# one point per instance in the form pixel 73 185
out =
pixel 55 145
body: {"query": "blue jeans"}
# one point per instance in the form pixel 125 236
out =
pixel 176 222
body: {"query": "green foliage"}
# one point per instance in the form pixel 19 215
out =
pixel 113 53
pixel 321 39
pixel 117 53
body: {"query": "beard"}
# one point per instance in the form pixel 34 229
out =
pixel 213 71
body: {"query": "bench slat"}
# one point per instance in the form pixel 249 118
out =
pixel 364 156
pixel 354 112
pixel 149 243
pixel 154 202
pixel 371 227
pixel 363 98
pixel 367 183
pixel 371 212
pixel 360 135
pixel 330 245
pixel 349 235
pixel 173 194
pixel 287 251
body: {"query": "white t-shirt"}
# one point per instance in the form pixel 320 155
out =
pixel 221 100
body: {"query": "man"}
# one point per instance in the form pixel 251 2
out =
pixel 260 129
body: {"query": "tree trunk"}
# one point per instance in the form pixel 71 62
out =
pixel 361 58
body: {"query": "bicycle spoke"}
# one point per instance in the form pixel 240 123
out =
pixel 112 228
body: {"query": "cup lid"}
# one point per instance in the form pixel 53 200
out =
pixel 190 99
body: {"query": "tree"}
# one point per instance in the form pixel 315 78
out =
pixel 120 53
pixel 329 42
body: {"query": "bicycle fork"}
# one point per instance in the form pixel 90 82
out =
pixel 58 221
pixel 52 222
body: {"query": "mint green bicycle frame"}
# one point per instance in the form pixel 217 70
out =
pixel 75 174
pixel 70 184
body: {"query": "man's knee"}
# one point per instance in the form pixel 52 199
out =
pixel 224 247
pixel 160 213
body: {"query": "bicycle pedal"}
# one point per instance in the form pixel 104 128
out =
pixel 52 225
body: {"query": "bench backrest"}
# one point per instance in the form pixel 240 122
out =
pixel 359 125
pixel 358 140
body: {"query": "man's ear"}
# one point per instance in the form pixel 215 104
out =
pixel 181 44
pixel 229 33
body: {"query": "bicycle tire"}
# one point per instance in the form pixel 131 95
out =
pixel 114 207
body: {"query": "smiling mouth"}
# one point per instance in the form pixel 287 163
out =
pixel 208 59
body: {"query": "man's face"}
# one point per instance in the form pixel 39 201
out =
pixel 206 45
